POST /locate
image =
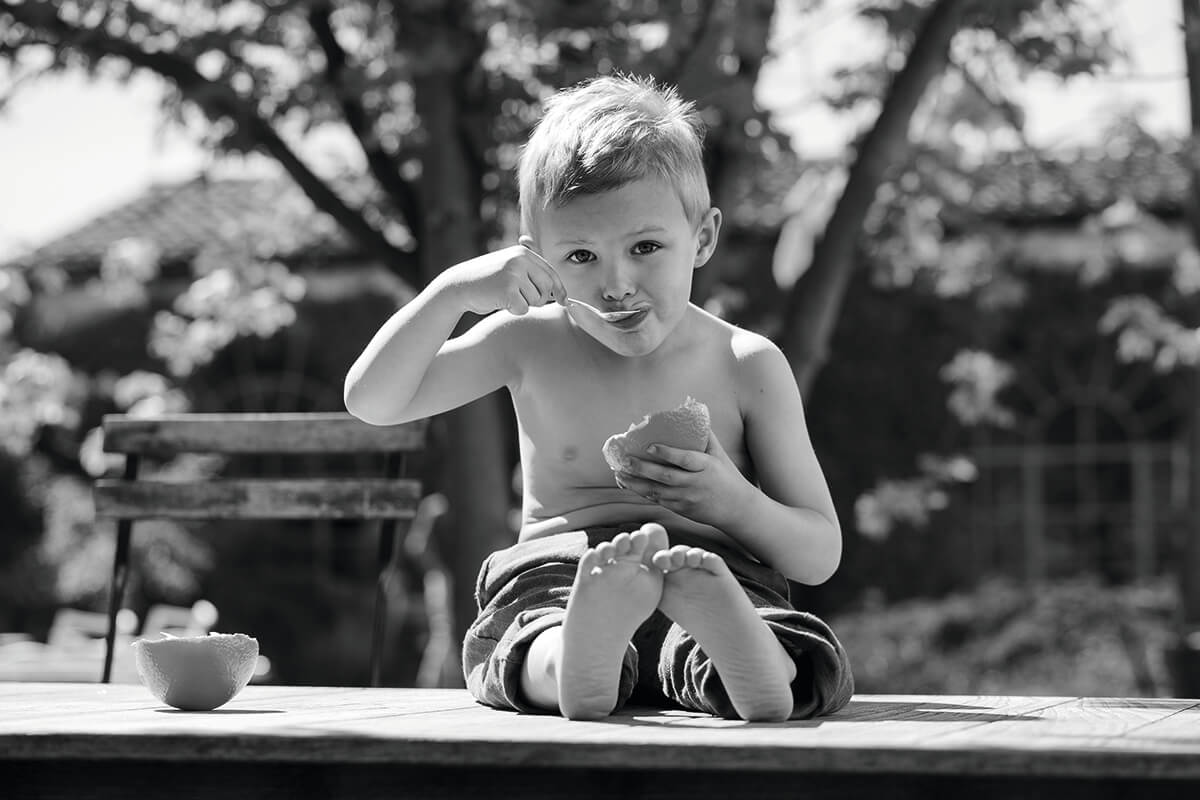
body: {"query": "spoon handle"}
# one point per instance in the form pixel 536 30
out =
pixel 588 306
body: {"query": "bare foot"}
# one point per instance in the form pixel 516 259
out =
pixel 704 598
pixel 615 590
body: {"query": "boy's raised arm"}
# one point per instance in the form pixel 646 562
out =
pixel 412 369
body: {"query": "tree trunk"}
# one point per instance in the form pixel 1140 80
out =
pixel 744 33
pixel 475 474
pixel 1185 655
pixel 813 306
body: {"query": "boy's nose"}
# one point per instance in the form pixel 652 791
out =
pixel 618 282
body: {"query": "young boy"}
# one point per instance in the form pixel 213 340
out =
pixel 664 581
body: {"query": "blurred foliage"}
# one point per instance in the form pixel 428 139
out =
pixel 910 501
pixel 229 301
pixel 36 390
pixel 1073 637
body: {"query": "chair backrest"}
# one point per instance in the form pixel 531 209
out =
pixel 132 498
pixel 385 500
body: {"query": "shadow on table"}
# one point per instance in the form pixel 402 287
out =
pixel 855 711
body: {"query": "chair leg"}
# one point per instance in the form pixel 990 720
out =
pixel 387 571
pixel 116 592
pixel 120 576
pixel 389 552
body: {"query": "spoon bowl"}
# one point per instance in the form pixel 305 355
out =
pixel 607 316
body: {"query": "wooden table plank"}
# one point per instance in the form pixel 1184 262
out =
pixel 1090 725
pixel 949 736
pixel 279 711
pixel 1181 726
pixel 1099 717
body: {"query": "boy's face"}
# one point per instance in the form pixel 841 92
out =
pixel 630 248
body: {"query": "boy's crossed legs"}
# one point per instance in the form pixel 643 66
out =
pixel 576 667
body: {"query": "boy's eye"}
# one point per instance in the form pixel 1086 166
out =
pixel 580 256
pixel 646 248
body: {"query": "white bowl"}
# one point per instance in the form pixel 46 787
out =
pixel 196 673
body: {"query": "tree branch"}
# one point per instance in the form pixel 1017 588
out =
pixel 381 164
pixel 813 306
pixel 683 44
pixel 219 99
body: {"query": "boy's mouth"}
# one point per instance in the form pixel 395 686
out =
pixel 625 319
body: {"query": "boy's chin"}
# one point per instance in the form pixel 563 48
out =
pixel 628 346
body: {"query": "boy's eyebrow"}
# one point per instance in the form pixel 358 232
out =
pixel 638 232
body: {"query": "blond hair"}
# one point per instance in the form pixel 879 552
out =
pixel 607 132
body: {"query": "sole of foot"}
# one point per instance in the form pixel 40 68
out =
pixel 703 597
pixel 616 588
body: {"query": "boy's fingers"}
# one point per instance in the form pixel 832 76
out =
pixel 543 284
pixel 551 285
pixel 651 471
pixel 517 304
pixel 646 488
pixel 684 459
pixel 554 289
pixel 530 295
pixel 536 294
pixel 560 291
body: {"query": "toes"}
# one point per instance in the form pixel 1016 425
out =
pixel 605 551
pixel 648 540
pixel 694 557
pixel 672 558
pixel 591 561
pixel 713 563
pixel 684 557
pixel 622 544
pixel 661 560
pixel 655 536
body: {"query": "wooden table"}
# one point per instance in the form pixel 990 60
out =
pixel 92 740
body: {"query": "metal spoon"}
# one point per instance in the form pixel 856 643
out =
pixel 607 316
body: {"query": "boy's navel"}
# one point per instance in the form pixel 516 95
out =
pixel 570 453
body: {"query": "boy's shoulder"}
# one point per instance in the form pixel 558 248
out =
pixel 742 344
pixel 753 359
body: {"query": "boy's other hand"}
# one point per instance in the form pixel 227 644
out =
pixel 706 487
pixel 512 279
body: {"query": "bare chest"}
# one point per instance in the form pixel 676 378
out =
pixel 566 411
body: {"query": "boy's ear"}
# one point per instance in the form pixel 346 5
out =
pixel 706 237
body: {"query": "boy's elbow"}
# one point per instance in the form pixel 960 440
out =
pixel 360 406
pixel 822 562
pixel 814 573
pixel 826 570
pixel 351 399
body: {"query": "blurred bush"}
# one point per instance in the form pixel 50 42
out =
pixel 1073 637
